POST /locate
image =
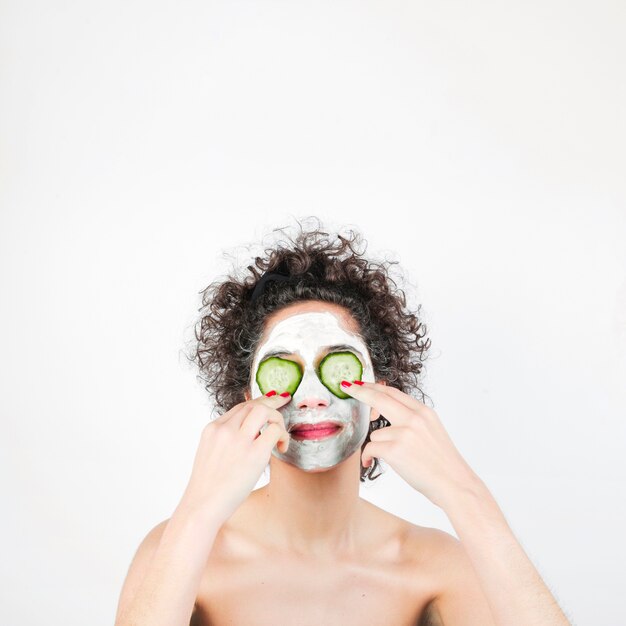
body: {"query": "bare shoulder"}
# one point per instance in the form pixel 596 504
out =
pixel 149 543
pixel 434 555
pixel 139 565
pixel 427 555
pixel 154 534
pixel 416 541
pixel 457 596
pixel 431 541
pixel 442 550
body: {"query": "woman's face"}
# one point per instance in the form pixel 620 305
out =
pixel 306 332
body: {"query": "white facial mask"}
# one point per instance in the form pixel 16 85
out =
pixel 309 335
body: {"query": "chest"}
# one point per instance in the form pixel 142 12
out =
pixel 295 592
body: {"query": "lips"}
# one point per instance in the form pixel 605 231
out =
pixel 321 426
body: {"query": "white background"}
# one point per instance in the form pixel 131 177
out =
pixel 479 144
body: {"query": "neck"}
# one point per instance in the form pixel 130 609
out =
pixel 313 513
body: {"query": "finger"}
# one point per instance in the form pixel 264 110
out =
pixel 394 392
pixel 273 402
pixel 258 417
pixel 238 413
pixel 387 433
pixel 394 411
pixel 273 435
pixel 375 449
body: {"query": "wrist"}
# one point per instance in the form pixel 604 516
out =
pixel 466 494
pixel 473 505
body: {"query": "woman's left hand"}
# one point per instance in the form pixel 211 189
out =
pixel 416 445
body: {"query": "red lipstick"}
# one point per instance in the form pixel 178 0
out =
pixel 320 430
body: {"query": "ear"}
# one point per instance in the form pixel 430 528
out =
pixel 247 394
pixel 374 414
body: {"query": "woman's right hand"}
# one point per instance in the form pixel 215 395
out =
pixel 232 455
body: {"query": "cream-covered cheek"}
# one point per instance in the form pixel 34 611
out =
pixel 306 336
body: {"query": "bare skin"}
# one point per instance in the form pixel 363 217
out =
pixel 261 581
pixel 306 549
pixel 395 573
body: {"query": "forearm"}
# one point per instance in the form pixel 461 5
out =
pixel 514 589
pixel 168 592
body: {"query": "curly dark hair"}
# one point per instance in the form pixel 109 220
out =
pixel 324 268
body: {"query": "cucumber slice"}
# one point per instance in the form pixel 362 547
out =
pixel 338 366
pixel 279 374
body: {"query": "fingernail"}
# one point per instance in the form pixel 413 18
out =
pixel 357 382
pixel 345 383
pixel 271 393
pixel 285 394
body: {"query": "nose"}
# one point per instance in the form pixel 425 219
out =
pixel 312 402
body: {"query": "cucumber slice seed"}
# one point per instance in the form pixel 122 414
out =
pixel 338 366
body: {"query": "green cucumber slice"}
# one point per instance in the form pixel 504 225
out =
pixel 279 374
pixel 338 366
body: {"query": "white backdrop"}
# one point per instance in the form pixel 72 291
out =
pixel 479 144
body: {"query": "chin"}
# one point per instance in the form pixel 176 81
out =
pixel 316 470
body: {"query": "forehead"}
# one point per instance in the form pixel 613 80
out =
pixel 309 323
pixel 312 306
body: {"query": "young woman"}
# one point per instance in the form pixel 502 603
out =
pixel 313 362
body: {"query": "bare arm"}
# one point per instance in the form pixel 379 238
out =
pixel 164 577
pixel 514 590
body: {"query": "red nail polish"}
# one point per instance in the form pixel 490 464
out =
pixel 271 393
pixel 345 383
pixel 285 394
pixel 357 382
